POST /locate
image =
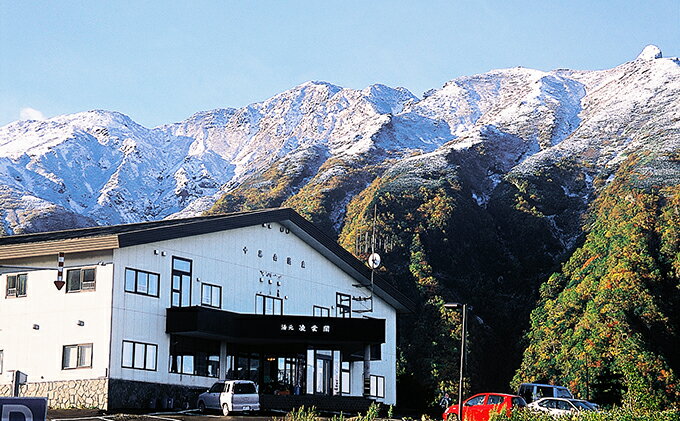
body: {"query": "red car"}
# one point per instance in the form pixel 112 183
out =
pixel 480 406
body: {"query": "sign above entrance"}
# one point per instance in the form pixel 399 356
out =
pixel 259 328
pixel 304 328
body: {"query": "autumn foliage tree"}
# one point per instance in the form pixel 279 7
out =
pixel 607 324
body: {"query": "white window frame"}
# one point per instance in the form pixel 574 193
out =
pixel 79 348
pixel 148 351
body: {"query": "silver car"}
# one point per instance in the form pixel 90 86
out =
pixel 561 406
pixel 230 396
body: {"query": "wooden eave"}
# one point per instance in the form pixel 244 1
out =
pixel 72 245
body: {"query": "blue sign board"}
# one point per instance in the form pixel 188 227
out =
pixel 23 409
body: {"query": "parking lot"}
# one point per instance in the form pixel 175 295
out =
pixel 191 415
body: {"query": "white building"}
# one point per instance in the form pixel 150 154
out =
pixel 154 313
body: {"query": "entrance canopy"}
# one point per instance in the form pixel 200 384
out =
pixel 243 328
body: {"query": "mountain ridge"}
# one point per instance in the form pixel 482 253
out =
pixel 183 168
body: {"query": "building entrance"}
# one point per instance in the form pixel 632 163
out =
pixel 323 372
pixel 275 374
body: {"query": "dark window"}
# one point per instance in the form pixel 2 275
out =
pixel 195 356
pixel 547 403
pixel 244 389
pixel 479 400
pixel 265 304
pixel 16 285
pixel 319 311
pixel 217 388
pixel 181 283
pixel 561 392
pixel 211 295
pixel 343 305
pixel 544 391
pixel 376 352
pixel 139 355
pixel 564 405
pixel 519 402
pixel 494 400
pixel 77 356
pixel 141 282
pixel 80 280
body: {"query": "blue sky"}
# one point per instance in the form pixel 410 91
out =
pixel 161 61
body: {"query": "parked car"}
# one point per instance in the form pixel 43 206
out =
pixel 534 391
pixel 480 406
pixel 561 406
pixel 230 396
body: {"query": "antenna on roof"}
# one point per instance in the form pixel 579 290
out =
pixel 373 261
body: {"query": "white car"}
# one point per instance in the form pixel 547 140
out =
pixel 561 406
pixel 230 396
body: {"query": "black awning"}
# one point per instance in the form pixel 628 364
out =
pixel 262 329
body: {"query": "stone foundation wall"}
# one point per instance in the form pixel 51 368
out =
pixel 132 394
pixel 66 394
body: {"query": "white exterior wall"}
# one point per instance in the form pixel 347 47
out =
pixel 111 315
pixel 39 352
pixel 218 258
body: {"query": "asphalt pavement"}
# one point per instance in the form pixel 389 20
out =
pixel 191 415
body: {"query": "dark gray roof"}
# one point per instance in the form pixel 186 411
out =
pixel 147 232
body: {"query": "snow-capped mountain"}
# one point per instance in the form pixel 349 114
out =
pixel 101 167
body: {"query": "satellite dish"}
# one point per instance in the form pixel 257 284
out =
pixel 374 261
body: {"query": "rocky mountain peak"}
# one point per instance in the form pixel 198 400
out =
pixel 650 52
pixel 104 166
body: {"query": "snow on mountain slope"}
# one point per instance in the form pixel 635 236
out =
pixel 109 169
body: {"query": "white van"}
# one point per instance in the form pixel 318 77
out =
pixel 230 396
pixel 535 391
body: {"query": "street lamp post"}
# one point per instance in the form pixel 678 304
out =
pixel 463 334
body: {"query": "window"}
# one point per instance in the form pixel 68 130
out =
pixel 345 378
pixel 494 400
pixel 141 282
pixel 80 279
pixel 343 305
pixel 319 311
pixel 268 305
pixel 211 295
pixel 217 388
pixel 196 356
pixel 564 405
pixel 478 400
pixel 244 389
pixel 16 285
pixel 181 283
pixel 77 356
pixel 2 357
pixel 376 352
pixel 139 355
pixel 377 386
